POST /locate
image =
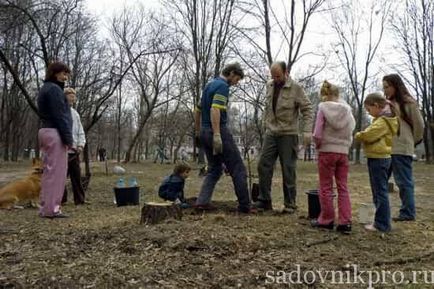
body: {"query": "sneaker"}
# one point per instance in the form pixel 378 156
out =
pixel 184 205
pixel 371 228
pixel 315 224
pixel 288 210
pixel 261 205
pixel 345 229
pixel 205 207
pixel 403 219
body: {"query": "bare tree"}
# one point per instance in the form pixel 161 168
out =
pixel 207 29
pixel 152 73
pixel 414 30
pixel 287 22
pixel 263 23
pixel 359 31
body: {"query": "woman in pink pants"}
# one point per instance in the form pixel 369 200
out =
pixel 333 137
pixel 55 137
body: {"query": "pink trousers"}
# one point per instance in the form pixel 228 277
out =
pixel 333 165
pixel 55 168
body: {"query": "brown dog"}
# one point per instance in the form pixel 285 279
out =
pixel 27 189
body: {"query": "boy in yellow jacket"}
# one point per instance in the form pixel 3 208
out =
pixel 377 145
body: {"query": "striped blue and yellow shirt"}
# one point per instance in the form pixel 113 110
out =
pixel 215 94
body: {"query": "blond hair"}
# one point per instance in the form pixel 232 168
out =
pixel 69 90
pixel 329 89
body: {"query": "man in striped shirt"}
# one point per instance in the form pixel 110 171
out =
pixel 217 141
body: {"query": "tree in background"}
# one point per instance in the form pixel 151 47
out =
pixel 414 30
pixel 359 31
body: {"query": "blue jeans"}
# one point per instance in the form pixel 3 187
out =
pixel 403 174
pixel 232 159
pixel 379 176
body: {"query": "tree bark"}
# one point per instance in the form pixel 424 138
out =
pixel 153 213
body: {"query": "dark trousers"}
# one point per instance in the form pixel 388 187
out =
pixel 378 177
pixel 285 147
pixel 232 159
pixel 74 173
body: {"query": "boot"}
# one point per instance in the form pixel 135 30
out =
pixel 263 205
pixel 289 201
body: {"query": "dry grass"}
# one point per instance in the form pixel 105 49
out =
pixel 103 246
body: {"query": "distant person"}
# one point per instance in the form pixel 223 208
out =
pixel 55 138
pixel 285 102
pixel 160 155
pixel 102 154
pixel 410 134
pixel 79 141
pixel 184 155
pixel 377 145
pixel 217 141
pixel 333 135
pixel 172 187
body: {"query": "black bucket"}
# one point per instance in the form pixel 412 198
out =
pixel 128 196
pixel 314 207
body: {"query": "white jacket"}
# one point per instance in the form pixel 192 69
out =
pixel 78 136
pixel 338 126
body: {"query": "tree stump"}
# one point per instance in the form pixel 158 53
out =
pixel 153 213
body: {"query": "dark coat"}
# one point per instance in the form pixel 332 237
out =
pixel 54 110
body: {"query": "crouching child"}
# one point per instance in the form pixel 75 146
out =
pixel 172 187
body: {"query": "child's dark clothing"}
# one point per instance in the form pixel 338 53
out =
pixel 172 188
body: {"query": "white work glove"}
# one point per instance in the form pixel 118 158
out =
pixel 217 144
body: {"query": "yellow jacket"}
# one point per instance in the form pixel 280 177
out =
pixel 377 138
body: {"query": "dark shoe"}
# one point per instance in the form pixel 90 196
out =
pixel 250 211
pixel 58 215
pixel 83 203
pixel 204 207
pixel 403 219
pixel 261 205
pixel 315 224
pixel 345 229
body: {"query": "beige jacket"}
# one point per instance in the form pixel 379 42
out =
pixel 291 103
pixel 403 144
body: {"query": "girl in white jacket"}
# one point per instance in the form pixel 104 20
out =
pixel 333 137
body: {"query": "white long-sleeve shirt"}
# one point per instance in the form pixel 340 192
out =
pixel 79 138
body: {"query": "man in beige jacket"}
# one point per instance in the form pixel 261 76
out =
pixel 285 101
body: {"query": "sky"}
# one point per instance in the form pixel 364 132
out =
pixel 107 7
pixel 320 33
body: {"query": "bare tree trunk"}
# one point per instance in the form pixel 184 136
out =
pixel 6 145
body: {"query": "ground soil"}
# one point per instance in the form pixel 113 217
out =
pixel 105 246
